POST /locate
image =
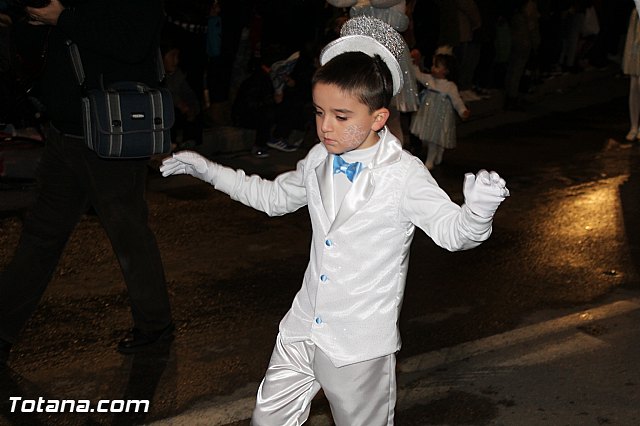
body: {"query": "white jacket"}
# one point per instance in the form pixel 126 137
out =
pixel 352 290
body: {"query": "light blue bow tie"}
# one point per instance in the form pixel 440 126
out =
pixel 351 170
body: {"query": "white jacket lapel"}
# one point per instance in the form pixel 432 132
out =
pixel 360 193
pixel 324 173
pixel 358 196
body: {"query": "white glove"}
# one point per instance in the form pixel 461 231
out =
pixel 190 163
pixel 484 192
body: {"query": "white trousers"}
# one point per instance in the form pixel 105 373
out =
pixel 361 394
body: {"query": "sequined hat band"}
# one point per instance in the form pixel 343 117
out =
pixel 373 37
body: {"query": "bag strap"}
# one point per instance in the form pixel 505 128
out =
pixel 76 61
pixel 160 66
pixel 78 69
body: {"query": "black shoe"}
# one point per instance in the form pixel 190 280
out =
pixel 139 340
pixel 5 348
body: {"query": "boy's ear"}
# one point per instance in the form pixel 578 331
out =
pixel 380 117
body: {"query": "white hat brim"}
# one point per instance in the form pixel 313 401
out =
pixel 368 45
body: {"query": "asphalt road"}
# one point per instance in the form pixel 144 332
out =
pixel 560 267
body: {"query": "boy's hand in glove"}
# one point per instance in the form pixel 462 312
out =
pixel 484 192
pixel 190 163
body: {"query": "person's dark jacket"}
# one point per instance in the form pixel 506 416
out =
pixel 117 40
pixel 254 100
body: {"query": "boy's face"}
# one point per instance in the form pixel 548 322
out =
pixel 343 122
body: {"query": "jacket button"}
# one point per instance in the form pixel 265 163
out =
pixel 318 320
pixel 329 243
pixel 323 278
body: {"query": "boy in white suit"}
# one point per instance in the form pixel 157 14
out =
pixel 365 197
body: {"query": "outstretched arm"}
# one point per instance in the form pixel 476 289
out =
pixel 449 225
pixel 285 194
pixel 190 163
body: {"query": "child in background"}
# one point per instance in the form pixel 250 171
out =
pixel 254 106
pixel 435 121
pixel 187 129
pixel 365 196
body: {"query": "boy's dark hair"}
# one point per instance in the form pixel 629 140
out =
pixel 450 63
pixel 365 77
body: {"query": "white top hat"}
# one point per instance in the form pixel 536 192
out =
pixel 373 37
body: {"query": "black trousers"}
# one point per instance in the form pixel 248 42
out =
pixel 70 179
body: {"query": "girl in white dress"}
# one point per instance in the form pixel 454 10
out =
pixel 435 121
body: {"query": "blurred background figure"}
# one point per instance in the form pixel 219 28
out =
pixel 524 39
pixel 187 129
pixel 631 67
pixel 118 40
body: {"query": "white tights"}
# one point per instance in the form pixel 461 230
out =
pixel 434 155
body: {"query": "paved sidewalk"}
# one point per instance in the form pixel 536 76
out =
pixel 575 368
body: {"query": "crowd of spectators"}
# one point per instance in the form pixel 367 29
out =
pixel 509 45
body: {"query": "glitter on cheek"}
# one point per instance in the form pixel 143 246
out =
pixel 354 136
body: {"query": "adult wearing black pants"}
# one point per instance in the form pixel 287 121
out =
pixel 118 40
